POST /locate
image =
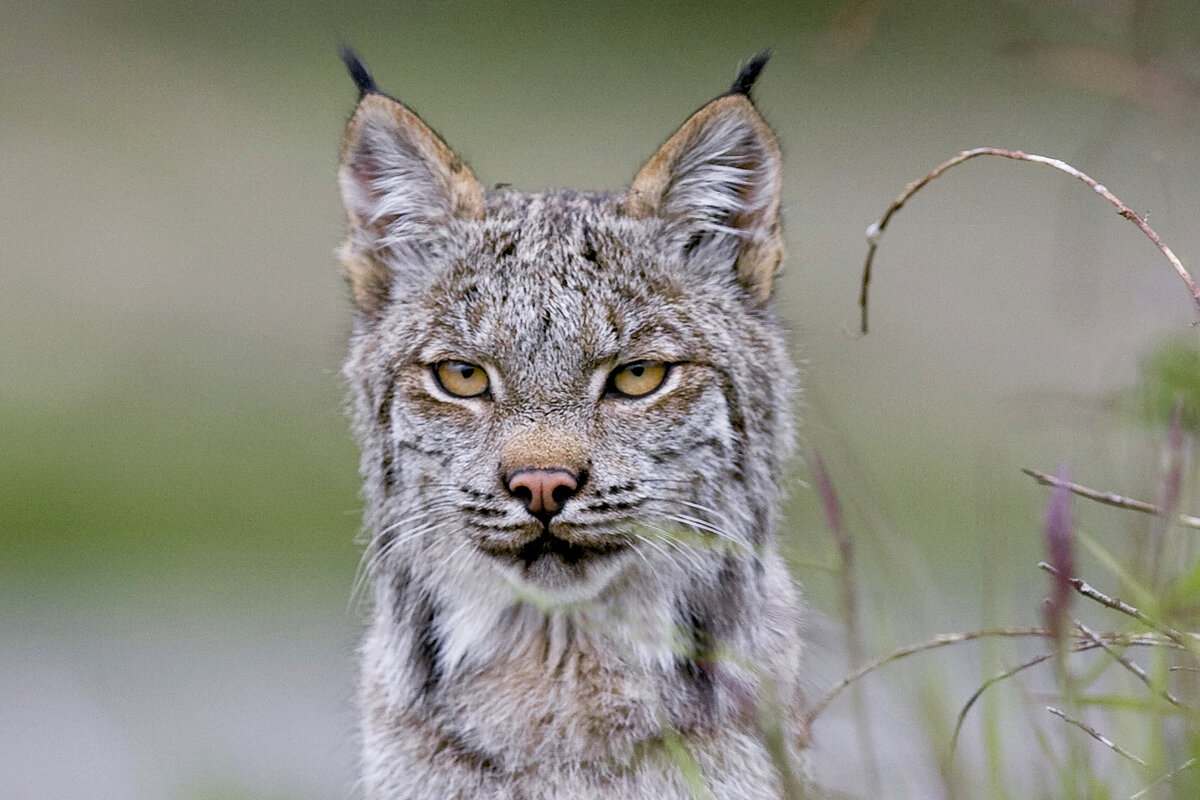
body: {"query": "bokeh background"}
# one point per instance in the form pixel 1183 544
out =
pixel 178 505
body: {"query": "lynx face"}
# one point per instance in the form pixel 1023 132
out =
pixel 552 388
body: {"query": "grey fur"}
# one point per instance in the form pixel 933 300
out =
pixel 486 677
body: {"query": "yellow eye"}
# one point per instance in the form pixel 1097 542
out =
pixel 460 378
pixel 638 378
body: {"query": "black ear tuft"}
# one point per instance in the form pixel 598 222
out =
pixel 358 71
pixel 749 74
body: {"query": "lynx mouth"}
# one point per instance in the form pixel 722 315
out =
pixel 547 545
pixel 571 553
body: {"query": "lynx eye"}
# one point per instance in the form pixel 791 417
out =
pixel 638 378
pixel 460 378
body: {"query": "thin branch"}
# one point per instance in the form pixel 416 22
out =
pixel 1088 591
pixel 1191 762
pixel 1108 498
pixel 1129 665
pixel 1078 647
pixel 1097 735
pixel 936 642
pixel 989 683
pixel 947 639
pixel 876 230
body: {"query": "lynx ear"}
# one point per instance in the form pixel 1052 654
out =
pixel 718 180
pixel 400 184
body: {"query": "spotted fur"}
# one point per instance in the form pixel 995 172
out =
pixel 509 660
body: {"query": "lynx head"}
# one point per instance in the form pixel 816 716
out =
pixel 554 389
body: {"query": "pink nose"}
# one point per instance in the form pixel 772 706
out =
pixel 543 491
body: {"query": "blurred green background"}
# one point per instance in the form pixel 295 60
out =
pixel 178 500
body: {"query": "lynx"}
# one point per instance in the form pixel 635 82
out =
pixel 574 411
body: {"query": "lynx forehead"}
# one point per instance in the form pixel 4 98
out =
pixel 574 410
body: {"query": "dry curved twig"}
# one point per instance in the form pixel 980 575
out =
pixel 1082 643
pixel 936 642
pixel 876 230
pixel 1125 640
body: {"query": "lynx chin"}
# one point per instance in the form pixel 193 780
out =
pixel 574 410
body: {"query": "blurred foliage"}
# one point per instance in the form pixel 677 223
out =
pixel 1170 376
